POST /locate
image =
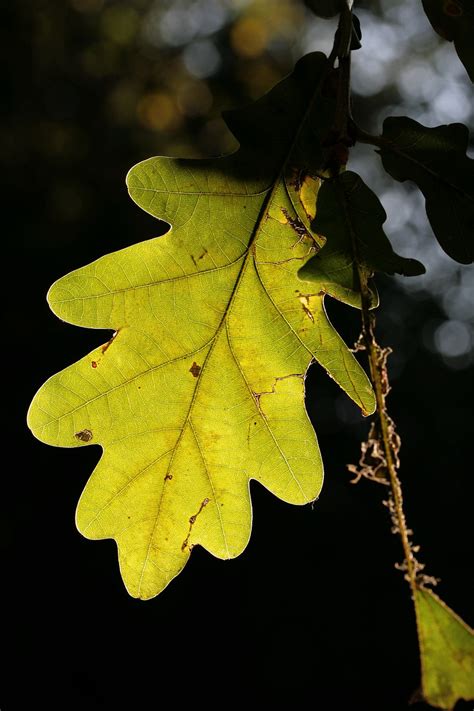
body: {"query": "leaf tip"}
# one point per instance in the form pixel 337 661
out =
pixel 53 297
pixel 446 651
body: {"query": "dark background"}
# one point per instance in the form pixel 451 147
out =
pixel 313 614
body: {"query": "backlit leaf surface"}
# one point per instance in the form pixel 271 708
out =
pixel 202 387
pixel 446 651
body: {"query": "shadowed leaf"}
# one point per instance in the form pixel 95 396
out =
pixel 356 41
pixel 446 650
pixel 331 8
pixel 350 216
pixel 202 387
pixel 435 159
pixel 325 8
pixel 453 20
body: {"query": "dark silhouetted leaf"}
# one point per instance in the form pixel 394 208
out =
pixel 350 216
pixel 454 21
pixel 435 159
pixel 325 8
pixel 356 41
pixel 330 8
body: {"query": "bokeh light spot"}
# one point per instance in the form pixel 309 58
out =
pixel 201 59
pixel 458 302
pixel 177 26
pixel 452 103
pixel 453 338
pixel 249 37
pixel 158 112
pixel 417 80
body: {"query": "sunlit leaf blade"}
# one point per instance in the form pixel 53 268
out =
pixel 350 216
pixel 454 21
pixel 435 159
pixel 202 387
pixel 446 651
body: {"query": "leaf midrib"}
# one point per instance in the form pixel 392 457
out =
pixel 199 193
pixel 250 253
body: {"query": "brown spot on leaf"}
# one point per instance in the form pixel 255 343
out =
pixel 195 369
pixel 305 302
pixel 107 345
pixel 104 348
pixel 83 435
pixel 168 477
pixel 201 256
pixel 193 260
pixel 296 224
pixel 297 177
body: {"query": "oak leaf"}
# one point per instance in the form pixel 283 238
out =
pixel 201 388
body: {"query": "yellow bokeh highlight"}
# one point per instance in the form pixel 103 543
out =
pixel 249 37
pixel 157 111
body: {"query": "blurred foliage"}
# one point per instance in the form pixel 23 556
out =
pixel 126 79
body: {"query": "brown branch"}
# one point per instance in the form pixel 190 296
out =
pixel 379 461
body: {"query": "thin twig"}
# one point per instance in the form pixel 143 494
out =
pixel 379 461
pixel 384 442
